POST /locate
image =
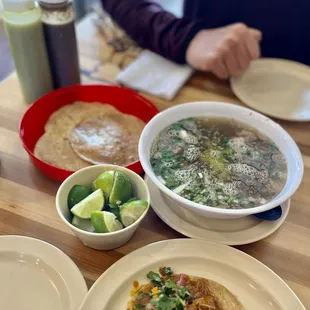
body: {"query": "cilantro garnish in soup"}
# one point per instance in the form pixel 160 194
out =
pixel 218 162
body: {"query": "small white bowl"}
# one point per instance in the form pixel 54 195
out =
pixel 85 177
pixel 219 109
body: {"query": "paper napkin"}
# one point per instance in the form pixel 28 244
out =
pixel 154 74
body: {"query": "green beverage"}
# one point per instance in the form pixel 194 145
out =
pixel 22 21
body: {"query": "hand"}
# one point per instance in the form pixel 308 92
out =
pixel 225 51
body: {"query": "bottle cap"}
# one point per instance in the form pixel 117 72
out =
pixel 17 5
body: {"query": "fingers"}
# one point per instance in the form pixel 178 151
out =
pixel 223 64
pixel 251 38
pixel 231 63
pixel 253 48
pixel 216 66
pixel 235 55
pixel 243 57
pixel 225 51
pixel 256 34
pixel 239 48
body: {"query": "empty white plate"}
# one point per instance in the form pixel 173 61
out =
pixel 239 231
pixel 254 284
pixel 276 87
pixel 36 275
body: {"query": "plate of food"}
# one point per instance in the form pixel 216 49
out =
pixel 79 126
pixel 189 274
pixel 36 275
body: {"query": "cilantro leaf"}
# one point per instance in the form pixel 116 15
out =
pixel 171 295
pixel 165 303
pixel 274 147
pixel 155 277
pixel 168 271
pixel 184 293
pixel 179 307
pixel 171 181
pixel 176 139
pixel 226 140
pixel 176 126
pixel 170 284
pixel 140 295
pixel 139 307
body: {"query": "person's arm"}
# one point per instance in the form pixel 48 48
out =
pixel 153 28
pixel 225 51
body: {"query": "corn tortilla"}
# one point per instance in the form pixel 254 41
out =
pixel 207 294
pixel 54 145
pixel 109 139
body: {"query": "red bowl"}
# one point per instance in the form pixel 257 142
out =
pixel 32 124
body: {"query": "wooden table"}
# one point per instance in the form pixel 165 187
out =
pixel 27 198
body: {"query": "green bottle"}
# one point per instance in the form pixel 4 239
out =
pixel 22 22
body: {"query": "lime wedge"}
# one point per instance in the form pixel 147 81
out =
pixel 76 194
pixel 83 224
pixel 132 199
pixel 131 211
pixel 93 202
pixel 105 222
pixel 121 191
pixel 105 182
pixel 115 211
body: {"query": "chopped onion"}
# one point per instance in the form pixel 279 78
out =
pixel 180 188
pixel 183 134
pixel 157 155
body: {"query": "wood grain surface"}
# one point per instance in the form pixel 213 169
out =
pixel 27 198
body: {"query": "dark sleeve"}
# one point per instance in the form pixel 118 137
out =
pixel 153 28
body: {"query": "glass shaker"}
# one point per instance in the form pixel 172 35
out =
pixel 59 31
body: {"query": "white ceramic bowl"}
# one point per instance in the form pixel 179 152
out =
pixel 85 177
pixel 218 109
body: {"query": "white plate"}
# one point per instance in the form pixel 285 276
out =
pixel 36 275
pixel 255 285
pixel 276 87
pixel 239 231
